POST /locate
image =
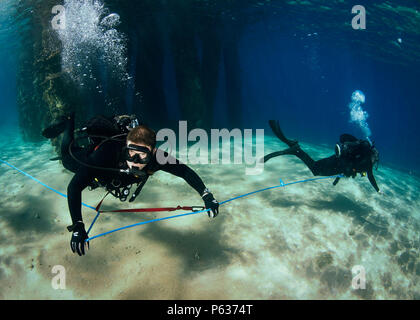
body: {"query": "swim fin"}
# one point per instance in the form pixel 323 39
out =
pixel 55 129
pixel 277 131
pixel 58 127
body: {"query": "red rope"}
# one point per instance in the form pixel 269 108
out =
pixel 100 203
pixel 194 208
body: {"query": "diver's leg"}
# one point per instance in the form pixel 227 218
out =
pixel 56 128
pixel 290 151
pixel 68 138
pixel 306 159
pixel 318 168
pixel 326 167
pixel 275 154
pixel 298 152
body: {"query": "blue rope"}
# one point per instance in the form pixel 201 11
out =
pixel 282 184
pixel 93 222
pixel 43 184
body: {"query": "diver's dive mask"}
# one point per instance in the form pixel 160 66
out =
pixel 137 158
pixel 337 150
pixel 342 149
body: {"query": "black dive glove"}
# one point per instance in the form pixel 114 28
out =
pixel 210 203
pixel 77 242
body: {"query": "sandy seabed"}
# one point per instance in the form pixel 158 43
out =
pixel 297 242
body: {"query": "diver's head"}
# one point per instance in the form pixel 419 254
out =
pixel 140 146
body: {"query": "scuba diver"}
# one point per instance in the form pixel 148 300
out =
pixel 352 156
pixel 120 153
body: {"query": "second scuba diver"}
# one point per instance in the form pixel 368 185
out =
pixel 115 164
pixel 352 156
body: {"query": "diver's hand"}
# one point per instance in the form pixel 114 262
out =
pixel 211 204
pixel 381 193
pixel 77 242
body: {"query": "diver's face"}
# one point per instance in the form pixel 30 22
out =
pixel 142 155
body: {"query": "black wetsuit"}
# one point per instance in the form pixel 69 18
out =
pixel 355 159
pixel 109 155
pixel 352 156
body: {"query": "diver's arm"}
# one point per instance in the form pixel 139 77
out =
pixel 106 157
pixel 74 194
pixel 181 170
pixel 372 180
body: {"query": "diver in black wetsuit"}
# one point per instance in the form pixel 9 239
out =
pixel 352 156
pixel 116 164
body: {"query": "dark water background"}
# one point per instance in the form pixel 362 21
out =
pixel 9 47
pixel 310 94
pixel 303 80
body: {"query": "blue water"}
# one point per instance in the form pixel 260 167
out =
pixel 8 90
pixel 310 98
pixel 12 40
pixel 301 77
pixel 294 242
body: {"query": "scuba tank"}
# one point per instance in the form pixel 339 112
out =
pixel 101 129
pixel 357 149
pixel 98 131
